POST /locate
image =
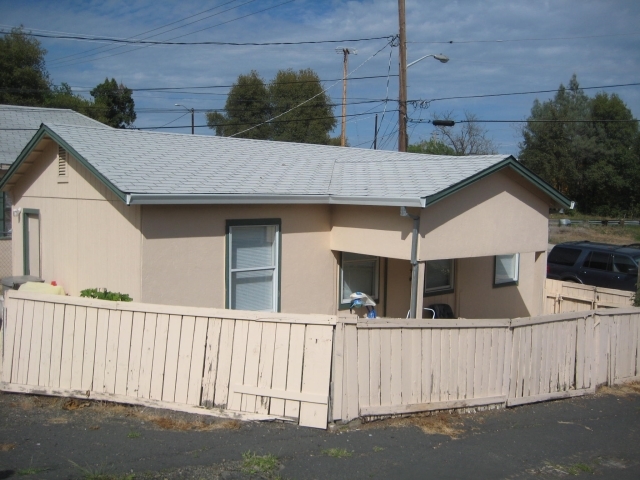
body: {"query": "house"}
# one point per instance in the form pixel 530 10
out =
pixel 17 126
pixel 259 225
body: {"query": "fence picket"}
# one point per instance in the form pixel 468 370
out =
pixel 211 362
pixel 146 355
pixel 88 356
pixel 159 357
pixel 185 349
pixel 281 357
pixel 47 337
pixel 194 389
pixel 33 372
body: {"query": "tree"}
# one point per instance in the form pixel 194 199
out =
pixel 114 104
pixel 433 146
pixel 468 138
pixel 247 105
pixel 251 103
pixel 588 148
pixel 63 97
pixel 23 77
pixel 312 121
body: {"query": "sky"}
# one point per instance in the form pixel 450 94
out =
pixel 495 48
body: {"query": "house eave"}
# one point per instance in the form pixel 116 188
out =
pixel 231 199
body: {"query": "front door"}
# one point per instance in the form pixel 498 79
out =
pixel 32 242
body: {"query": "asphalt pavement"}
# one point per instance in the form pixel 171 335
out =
pixel 52 438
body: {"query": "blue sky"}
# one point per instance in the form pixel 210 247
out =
pixel 497 47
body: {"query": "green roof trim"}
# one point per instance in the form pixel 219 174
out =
pixel 45 131
pixel 509 162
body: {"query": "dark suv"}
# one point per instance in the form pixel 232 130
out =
pixel 599 264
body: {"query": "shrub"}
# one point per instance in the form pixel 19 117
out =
pixel 104 294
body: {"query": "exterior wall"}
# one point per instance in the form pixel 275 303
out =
pixel 497 215
pixel 184 251
pixel 379 231
pixel 398 283
pixel 476 297
pixel 88 237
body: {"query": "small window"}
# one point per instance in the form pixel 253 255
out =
pixel 624 264
pixel 438 277
pixel 564 256
pixel 253 266
pixel 506 270
pixel 359 273
pixel 598 261
pixel 62 165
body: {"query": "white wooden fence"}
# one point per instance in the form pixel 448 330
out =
pixel 397 366
pixel 252 365
pixel 562 297
pixel 247 365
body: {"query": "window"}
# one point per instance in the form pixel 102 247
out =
pixel 624 264
pixel 359 273
pixel 6 215
pixel 564 256
pixel 253 269
pixel 506 270
pixel 598 261
pixel 438 277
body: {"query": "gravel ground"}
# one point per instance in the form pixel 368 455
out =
pixel 55 438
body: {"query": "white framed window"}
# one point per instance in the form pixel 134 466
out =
pixel 253 265
pixel 506 270
pixel 438 276
pixel 358 273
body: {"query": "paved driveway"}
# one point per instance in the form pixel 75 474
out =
pixel 589 436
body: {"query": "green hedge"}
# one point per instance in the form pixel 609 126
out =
pixel 104 294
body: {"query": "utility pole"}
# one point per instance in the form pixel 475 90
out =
pixel 345 52
pixel 402 77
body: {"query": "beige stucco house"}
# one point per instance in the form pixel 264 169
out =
pixel 247 224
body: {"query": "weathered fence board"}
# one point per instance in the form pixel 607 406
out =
pixel 253 366
pixel 561 297
pixel 388 368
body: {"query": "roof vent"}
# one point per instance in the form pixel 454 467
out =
pixel 62 164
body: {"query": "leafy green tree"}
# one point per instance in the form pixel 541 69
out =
pixel 114 104
pixel 247 105
pixel 587 148
pixel 432 146
pixel 251 102
pixel 23 77
pixel 312 121
pixel 63 97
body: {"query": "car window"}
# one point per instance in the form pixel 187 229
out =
pixel 564 255
pixel 598 261
pixel 624 264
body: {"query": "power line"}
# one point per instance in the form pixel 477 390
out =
pixel 528 39
pixel 144 33
pixel 422 102
pixel 195 31
pixel 128 41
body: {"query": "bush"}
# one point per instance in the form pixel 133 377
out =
pixel 104 294
pixel 636 302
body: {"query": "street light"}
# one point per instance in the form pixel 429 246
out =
pixel 192 120
pixel 439 57
pixel 402 107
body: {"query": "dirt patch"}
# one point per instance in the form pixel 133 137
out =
pixel 624 390
pixel 168 423
pixel 615 234
pixel 448 424
pixel 74 404
pixel 7 447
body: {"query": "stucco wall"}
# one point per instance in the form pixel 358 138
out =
pixel 476 297
pixel 89 237
pixel 379 231
pixel 494 216
pixel 184 255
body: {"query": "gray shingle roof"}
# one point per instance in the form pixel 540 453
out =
pixel 152 163
pixel 19 124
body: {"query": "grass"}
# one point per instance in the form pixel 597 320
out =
pixel 253 464
pixel 133 435
pixel 575 469
pixel 337 453
pixel 31 471
pixel 595 233
pixel 100 474
pixel 378 449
